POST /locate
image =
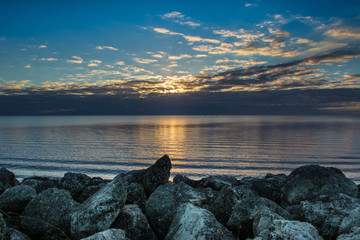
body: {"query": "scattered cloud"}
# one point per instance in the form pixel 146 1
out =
pixel 279 33
pixel 180 18
pixel 166 31
pixel 179 57
pixel 250 5
pixel 199 39
pixel 75 59
pixel 48 59
pixel 27 66
pixel 173 15
pixel 94 63
pixel 42 46
pixel 106 47
pixel 120 63
pixel 343 33
pixel 144 60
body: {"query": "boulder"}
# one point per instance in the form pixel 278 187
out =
pixel 264 220
pixel 7 180
pixel 241 219
pixel 13 234
pixel 215 182
pixel 225 201
pixel 294 230
pixel 134 222
pixel 153 176
pixel 15 199
pixel 39 183
pixel 196 223
pixel 354 234
pixel 268 187
pixel 181 178
pixel 99 211
pixel 332 216
pixel 162 204
pixel 136 195
pixel 2 227
pixel 110 234
pixel 309 182
pixel 47 212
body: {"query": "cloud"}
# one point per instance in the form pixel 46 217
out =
pixel 173 15
pixel 178 17
pixel 120 63
pixel 250 5
pixel 200 55
pixel 279 33
pixel 266 51
pixel 27 66
pixel 190 23
pixel 343 33
pixel 48 59
pixel 144 60
pixel 106 47
pixel 94 63
pixel 75 59
pixel 190 39
pixel 240 34
pixel 166 31
pixel 42 46
pixel 179 57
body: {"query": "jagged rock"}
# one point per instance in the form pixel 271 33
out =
pixel 75 183
pixel 181 178
pixel 110 234
pixel 309 182
pixel 13 234
pixel 294 230
pixel 2 227
pixel 99 211
pixel 136 194
pixel 162 204
pixel 134 222
pixel 225 201
pixel 241 218
pixel 153 176
pixel 333 215
pixel 354 234
pixel 47 212
pixel 263 220
pixel 215 182
pixel 7 180
pixel 268 187
pixel 39 184
pixel 196 223
pixel 15 199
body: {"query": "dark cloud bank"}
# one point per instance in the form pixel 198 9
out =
pixel 264 102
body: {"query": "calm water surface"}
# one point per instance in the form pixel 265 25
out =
pixel 197 145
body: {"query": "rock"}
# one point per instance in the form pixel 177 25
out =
pixel 75 183
pixel 134 222
pixel 136 195
pixel 264 220
pixel 269 187
pixel 15 199
pixel 215 182
pixel 333 215
pixel 47 212
pixel 153 176
pixel 162 204
pixel 181 178
pixel 13 234
pixel 195 223
pixel 309 182
pixel 40 184
pixel 2 227
pixel 354 234
pixel 110 234
pixel 99 211
pixel 7 179
pixel 242 217
pixel 294 230
pixel 225 201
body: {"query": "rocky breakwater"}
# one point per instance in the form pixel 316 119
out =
pixel 313 202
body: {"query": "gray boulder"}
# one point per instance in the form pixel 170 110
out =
pixel 7 180
pixel 47 212
pixel 2 227
pixel 136 195
pixel 215 182
pixel 13 234
pixel 40 183
pixel 15 199
pixel 110 234
pixel 241 219
pixel 309 182
pixel 196 223
pixel 134 222
pixel 354 234
pixel 225 201
pixel 162 204
pixel 153 176
pixel 294 230
pixel 264 220
pixel 332 216
pixel 99 211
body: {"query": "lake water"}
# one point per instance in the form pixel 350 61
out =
pixel 198 146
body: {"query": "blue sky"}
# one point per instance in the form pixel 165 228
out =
pixel 103 47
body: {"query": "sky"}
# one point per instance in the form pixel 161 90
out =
pixel 179 51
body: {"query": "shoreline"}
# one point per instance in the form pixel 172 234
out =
pixel 144 204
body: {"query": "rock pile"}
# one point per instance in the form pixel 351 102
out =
pixel 313 202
